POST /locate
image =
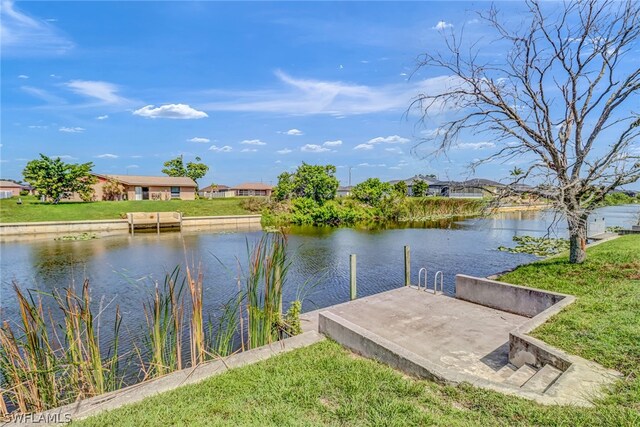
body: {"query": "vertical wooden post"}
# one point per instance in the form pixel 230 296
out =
pixel 352 276
pixel 158 222
pixel 131 222
pixel 407 266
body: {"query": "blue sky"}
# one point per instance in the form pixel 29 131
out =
pixel 252 88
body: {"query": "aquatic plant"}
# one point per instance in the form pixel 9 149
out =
pixel 39 369
pixel 540 246
pixel 164 315
pixel 82 236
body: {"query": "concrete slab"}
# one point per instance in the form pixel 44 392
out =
pixel 449 332
pixel 452 341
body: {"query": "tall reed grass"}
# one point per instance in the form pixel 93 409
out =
pixel 41 368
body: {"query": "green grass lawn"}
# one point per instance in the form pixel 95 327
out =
pixel 325 384
pixel 32 210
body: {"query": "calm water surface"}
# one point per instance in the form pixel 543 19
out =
pixel 123 270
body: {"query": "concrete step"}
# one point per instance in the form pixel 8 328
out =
pixel 542 379
pixel 506 371
pixel 521 376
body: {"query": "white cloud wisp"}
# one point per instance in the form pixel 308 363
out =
pixel 170 111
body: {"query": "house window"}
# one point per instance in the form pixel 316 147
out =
pixel 175 192
pixel 244 192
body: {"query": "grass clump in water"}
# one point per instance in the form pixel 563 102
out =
pixel 540 246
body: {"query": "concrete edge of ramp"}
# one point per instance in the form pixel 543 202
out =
pixel 371 345
pixel 138 392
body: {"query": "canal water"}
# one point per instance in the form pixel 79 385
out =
pixel 124 270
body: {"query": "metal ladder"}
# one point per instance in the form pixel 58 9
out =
pixel 438 274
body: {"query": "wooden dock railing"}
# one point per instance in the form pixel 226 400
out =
pixel 157 219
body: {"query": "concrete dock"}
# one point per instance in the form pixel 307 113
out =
pixel 446 331
pixel 480 337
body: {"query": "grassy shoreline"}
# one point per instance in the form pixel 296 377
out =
pixel 325 384
pixel 32 210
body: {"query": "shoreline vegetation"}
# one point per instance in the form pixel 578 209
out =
pixel 348 211
pixel 51 355
pixel 341 388
pixel 345 211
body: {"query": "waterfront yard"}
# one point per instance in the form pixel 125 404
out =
pixel 32 210
pixel 327 385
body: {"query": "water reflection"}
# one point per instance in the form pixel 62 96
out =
pixel 123 270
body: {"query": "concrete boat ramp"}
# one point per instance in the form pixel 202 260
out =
pixel 480 336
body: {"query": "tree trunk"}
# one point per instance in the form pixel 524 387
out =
pixel 577 240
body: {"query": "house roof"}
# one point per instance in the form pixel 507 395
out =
pixel 215 188
pixel 252 186
pixel 429 180
pixel 140 180
pixel 11 184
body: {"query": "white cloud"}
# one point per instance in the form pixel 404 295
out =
pixel 253 142
pixel 248 150
pixel 307 97
pixel 72 130
pixel 294 132
pixel 369 165
pixel 103 91
pixel 136 157
pixel 395 167
pixel 132 166
pixel 23 35
pixel 105 117
pixel 393 150
pixel 284 151
pixel 42 94
pixel 223 149
pixel 335 143
pixel 363 147
pixel 23 76
pixel 38 127
pixel 442 25
pixel 170 111
pixel 313 148
pixel 432 133
pixel 199 139
pixel 62 157
pixel 475 145
pixel 473 21
pixel 107 156
pixel 393 139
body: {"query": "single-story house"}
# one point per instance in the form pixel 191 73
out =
pixel 241 190
pixel 252 189
pixel 138 187
pixel 216 191
pixel 472 188
pixel 344 191
pixel 434 189
pixel 11 189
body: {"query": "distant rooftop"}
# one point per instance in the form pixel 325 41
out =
pixel 141 180
pixel 252 186
pixel 11 184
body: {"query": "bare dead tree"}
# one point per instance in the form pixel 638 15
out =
pixel 562 96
